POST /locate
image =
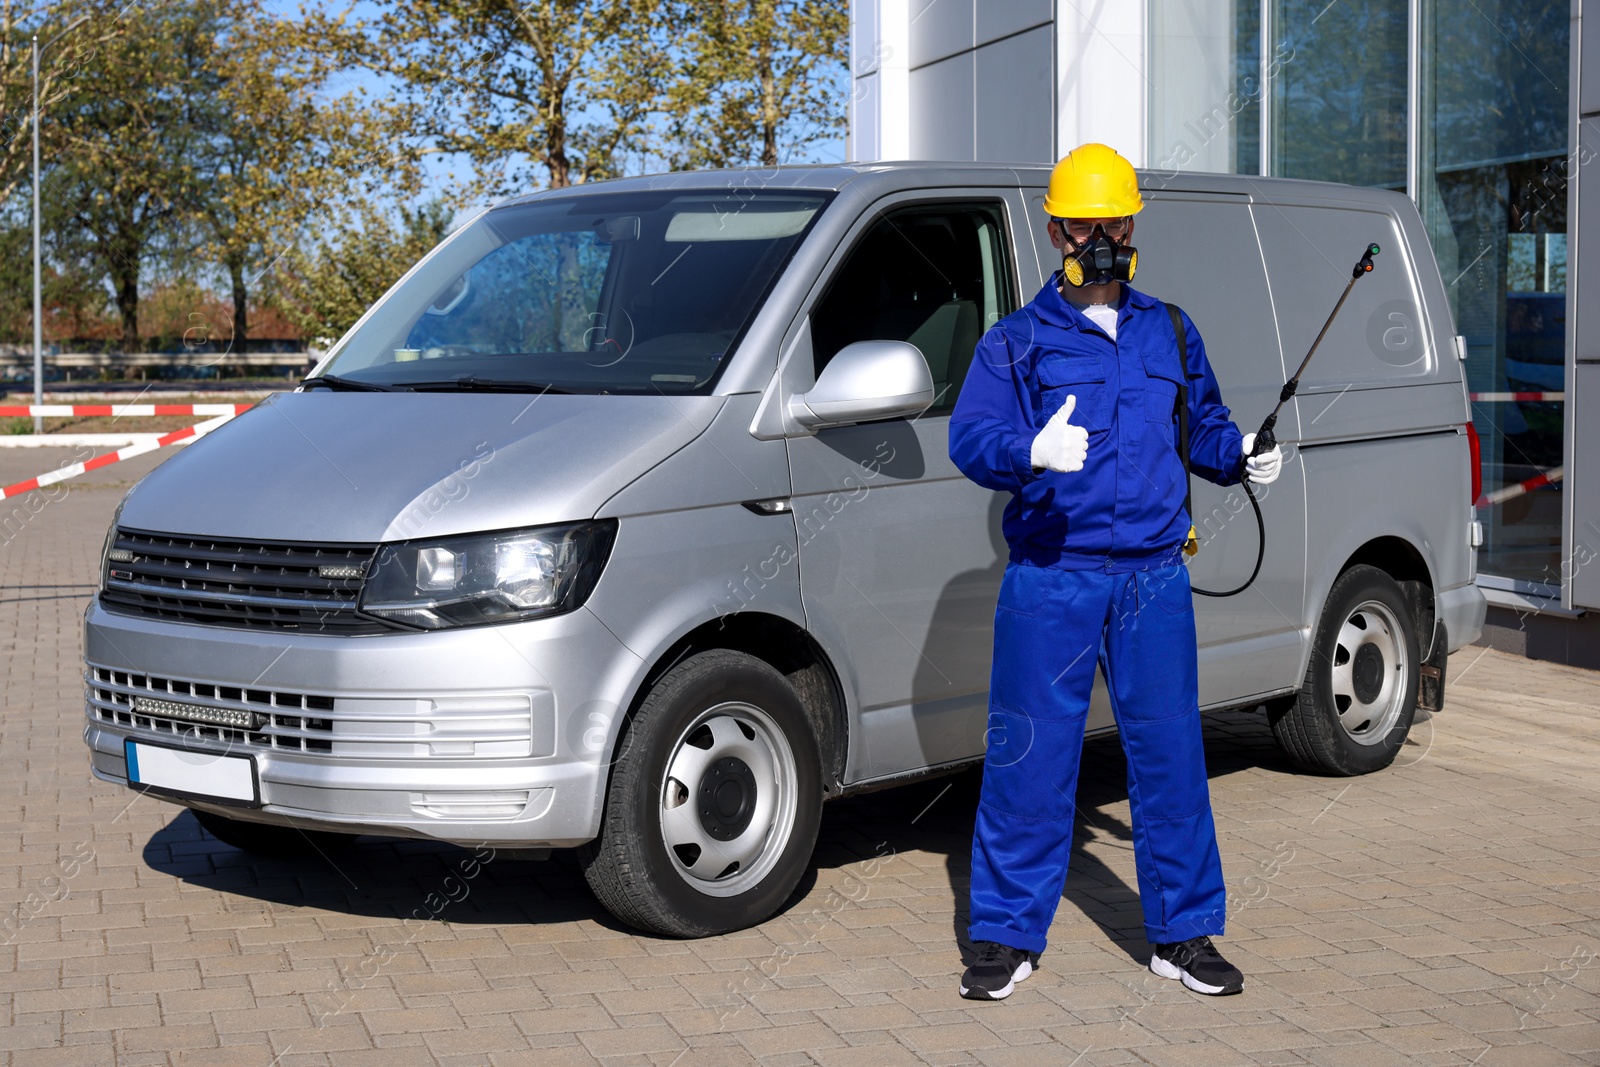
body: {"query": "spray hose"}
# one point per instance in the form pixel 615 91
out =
pixel 1265 440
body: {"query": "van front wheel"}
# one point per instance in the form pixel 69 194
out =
pixel 714 801
pixel 1359 696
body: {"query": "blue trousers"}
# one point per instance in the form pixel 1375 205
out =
pixel 1052 627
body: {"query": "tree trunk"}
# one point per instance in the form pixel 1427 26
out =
pixel 241 311
pixel 555 155
pixel 769 103
pixel 555 128
pixel 127 283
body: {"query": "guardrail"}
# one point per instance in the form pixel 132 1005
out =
pixel 88 365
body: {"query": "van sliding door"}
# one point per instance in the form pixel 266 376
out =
pixel 1203 255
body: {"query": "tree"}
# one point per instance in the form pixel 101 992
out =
pixel 275 150
pixel 323 287
pixel 58 68
pixel 132 132
pixel 71 295
pixel 762 80
pixel 563 87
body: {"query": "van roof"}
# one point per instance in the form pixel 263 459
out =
pixel 872 180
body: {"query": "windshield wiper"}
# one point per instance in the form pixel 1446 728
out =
pixel 469 384
pixel 333 381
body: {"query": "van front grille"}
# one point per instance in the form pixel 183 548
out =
pixel 214 716
pixel 248 585
pixel 199 712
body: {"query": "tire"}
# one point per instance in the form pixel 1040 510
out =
pixel 1359 696
pixel 713 804
pixel 264 839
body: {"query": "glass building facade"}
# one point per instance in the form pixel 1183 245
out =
pixel 1483 112
pixel 1462 104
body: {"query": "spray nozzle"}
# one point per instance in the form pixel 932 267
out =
pixel 1364 265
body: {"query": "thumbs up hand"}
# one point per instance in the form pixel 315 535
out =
pixel 1061 446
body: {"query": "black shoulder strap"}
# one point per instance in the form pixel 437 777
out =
pixel 1183 400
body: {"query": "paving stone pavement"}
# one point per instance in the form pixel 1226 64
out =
pixel 1445 911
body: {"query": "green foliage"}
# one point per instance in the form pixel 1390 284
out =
pixel 589 89
pixel 563 87
pixel 180 140
pixel 74 302
pixel 130 169
pixel 325 284
pixel 762 81
pixel 192 142
pixel 61 64
pixel 275 147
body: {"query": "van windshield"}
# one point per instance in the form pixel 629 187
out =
pixel 591 293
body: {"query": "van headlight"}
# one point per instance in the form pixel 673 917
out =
pixel 485 578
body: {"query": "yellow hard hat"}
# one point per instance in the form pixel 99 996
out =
pixel 1093 182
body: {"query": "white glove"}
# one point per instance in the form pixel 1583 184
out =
pixel 1265 468
pixel 1061 446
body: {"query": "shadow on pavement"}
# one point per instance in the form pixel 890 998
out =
pixel 394 878
pixel 384 877
pixel 937 816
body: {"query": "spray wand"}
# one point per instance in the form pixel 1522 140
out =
pixel 1266 440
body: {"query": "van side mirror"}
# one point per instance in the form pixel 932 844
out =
pixel 867 380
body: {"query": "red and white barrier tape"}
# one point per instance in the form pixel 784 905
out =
pixel 1510 492
pixel 62 474
pixel 1496 398
pixel 119 410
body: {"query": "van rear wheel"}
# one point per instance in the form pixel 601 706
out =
pixel 1359 696
pixel 713 804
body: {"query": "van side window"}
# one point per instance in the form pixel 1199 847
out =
pixel 934 275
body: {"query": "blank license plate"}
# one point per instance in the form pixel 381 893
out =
pixel 202 775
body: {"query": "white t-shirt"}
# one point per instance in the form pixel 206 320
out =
pixel 1103 316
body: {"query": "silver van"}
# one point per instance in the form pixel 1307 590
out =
pixel 625 522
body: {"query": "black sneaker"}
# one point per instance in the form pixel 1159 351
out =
pixel 1199 964
pixel 995 971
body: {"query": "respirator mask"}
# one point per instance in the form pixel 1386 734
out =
pixel 1097 260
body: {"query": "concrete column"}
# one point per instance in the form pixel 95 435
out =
pixel 880 105
pixel 1195 104
pixel 1102 87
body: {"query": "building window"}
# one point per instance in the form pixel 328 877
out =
pixel 1206 85
pixel 1339 95
pixel 1493 192
pixel 1491 169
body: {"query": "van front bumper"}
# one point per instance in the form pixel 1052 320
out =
pixel 497 734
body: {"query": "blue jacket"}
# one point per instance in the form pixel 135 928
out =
pixel 1125 507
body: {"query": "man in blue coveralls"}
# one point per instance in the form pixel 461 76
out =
pixel 1071 407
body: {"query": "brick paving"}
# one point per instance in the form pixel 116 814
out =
pixel 1446 911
